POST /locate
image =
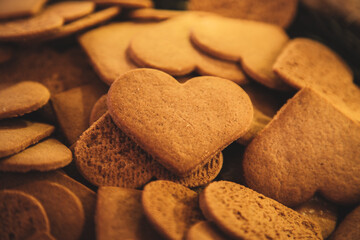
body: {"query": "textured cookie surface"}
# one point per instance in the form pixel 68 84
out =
pixel 242 40
pixel 307 63
pixel 14 9
pixel 63 208
pixel 349 227
pixel 37 26
pixel 71 10
pixel 21 215
pixel 160 115
pixel 20 98
pixel 44 156
pixel 167 47
pixel 171 208
pixel 204 230
pixel 107 48
pixel 245 214
pixel 279 12
pixel 119 214
pixel 17 134
pixel 309 146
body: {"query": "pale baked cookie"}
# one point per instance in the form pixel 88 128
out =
pixel 30 28
pixel 171 208
pixel 99 109
pixel 167 47
pixel 161 115
pixel 73 108
pixel 309 146
pixel 243 213
pixel 107 48
pixel 17 99
pixel 21 215
pixel 47 155
pixel 119 214
pixel 18 134
pixel 279 12
pixel 349 227
pixel 243 41
pixel 324 213
pixel 308 63
pixel 24 8
pixel 63 207
pixel 71 10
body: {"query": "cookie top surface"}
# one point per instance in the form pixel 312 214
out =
pixel 349 227
pixel 71 10
pixel 17 134
pixel 161 115
pixel 308 63
pixel 44 156
pixel 302 149
pixel 120 214
pixel 30 28
pixel 279 12
pixel 245 214
pixel 63 208
pixel 23 214
pixel 171 208
pixel 242 40
pixel 107 46
pixel 167 47
pixel 24 8
pixel 20 98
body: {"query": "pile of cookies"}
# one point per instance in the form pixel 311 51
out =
pixel 210 123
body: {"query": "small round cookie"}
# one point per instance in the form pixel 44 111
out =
pixel 71 10
pixel 17 134
pixel 63 207
pixel 245 214
pixel 204 230
pixel 171 208
pixel 44 156
pixel 17 99
pixel 99 109
pixel 349 227
pixel 21 215
pixel 26 29
pixel 23 8
pixel 279 12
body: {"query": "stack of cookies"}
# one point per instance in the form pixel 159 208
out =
pixel 122 121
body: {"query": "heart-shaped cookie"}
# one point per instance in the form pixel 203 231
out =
pixel 181 125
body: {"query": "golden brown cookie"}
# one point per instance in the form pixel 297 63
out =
pixel 161 115
pixel 17 99
pixel 308 63
pixel 73 109
pixel 349 227
pixel 167 47
pixel 56 70
pixel 279 12
pixel 44 156
pixel 309 146
pixel 242 41
pixel 86 196
pixel 83 23
pixel 18 134
pixel 152 14
pixel 243 213
pixel 24 8
pixel 21 215
pixel 126 3
pixel 107 48
pixel 104 162
pixel 324 213
pixel 63 207
pixel 71 10
pixel 30 28
pixel 171 208
pixel 119 214
pixel 205 230
pixel 99 109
